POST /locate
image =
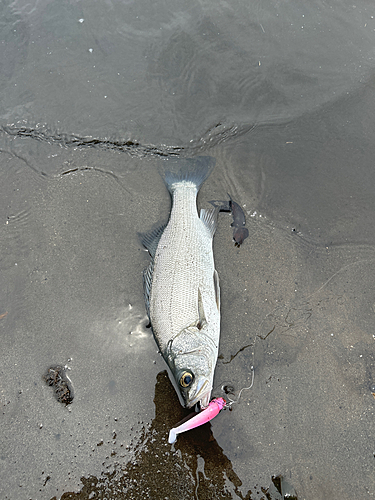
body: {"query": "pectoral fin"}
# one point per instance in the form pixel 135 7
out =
pixel 202 317
pixel 147 282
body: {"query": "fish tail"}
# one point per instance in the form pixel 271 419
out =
pixel 193 170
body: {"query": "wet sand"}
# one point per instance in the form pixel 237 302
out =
pixel 80 139
pixel 297 310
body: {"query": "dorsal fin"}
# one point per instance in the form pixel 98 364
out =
pixel 209 218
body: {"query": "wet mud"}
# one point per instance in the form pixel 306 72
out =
pixel 195 467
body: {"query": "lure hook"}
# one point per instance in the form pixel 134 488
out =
pixel 230 401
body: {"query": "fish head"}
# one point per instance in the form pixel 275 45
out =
pixel 192 360
pixel 194 380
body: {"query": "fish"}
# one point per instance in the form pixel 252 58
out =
pixel 240 232
pixel 213 409
pixel 239 235
pixel 181 284
pixel 237 213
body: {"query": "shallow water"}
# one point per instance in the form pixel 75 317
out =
pixel 283 97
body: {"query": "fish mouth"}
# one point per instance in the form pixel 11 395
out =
pixel 202 394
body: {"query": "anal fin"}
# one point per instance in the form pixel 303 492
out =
pixel 151 239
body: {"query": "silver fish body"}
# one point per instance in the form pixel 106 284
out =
pixel 181 284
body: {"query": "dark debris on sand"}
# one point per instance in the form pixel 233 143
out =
pixel 56 377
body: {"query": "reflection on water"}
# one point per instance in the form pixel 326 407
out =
pixel 168 76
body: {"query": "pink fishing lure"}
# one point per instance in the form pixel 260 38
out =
pixel 215 406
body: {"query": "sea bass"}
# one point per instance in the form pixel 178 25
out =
pixel 181 284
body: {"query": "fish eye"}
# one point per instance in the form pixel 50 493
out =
pixel 186 379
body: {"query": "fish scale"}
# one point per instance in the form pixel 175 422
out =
pixel 181 284
pixel 178 266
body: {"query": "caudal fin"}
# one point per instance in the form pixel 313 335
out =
pixel 195 170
